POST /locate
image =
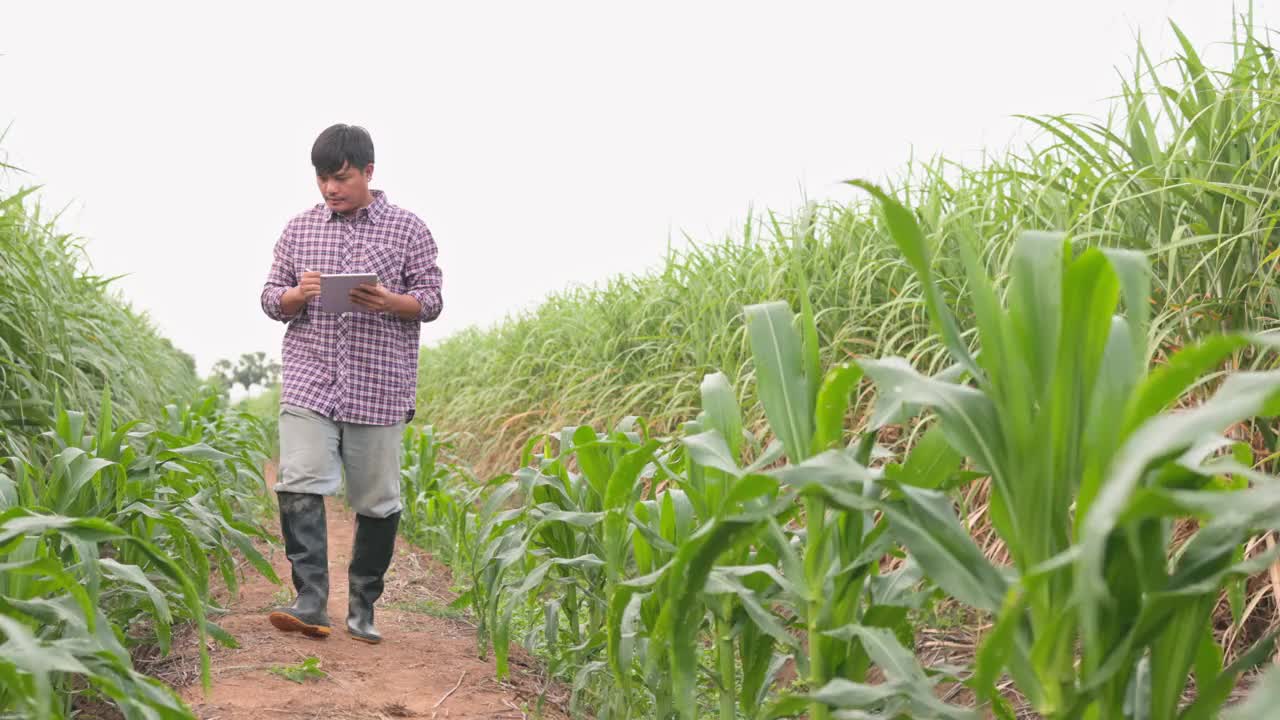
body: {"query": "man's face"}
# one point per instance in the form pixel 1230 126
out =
pixel 346 190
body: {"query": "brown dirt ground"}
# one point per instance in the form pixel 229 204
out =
pixel 426 667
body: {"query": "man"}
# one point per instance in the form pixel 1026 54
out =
pixel 350 380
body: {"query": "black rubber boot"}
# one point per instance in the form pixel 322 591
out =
pixel 375 542
pixel 306 543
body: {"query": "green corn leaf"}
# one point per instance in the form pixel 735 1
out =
pixel 1263 699
pixel 783 386
pixel 969 421
pixel 719 582
pixel 681 613
pixel 833 404
pixel 592 459
pixel 20 522
pixel 198 451
pixel 749 488
pixel 709 449
pixel 134 575
pixel 723 413
pixel 897 662
pixel 927 525
pixel 1169 381
pixel 1035 301
pixel 623 481
pixel 929 465
pixel 1242 396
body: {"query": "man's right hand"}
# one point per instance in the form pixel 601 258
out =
pixel 296 297
pixel 310 285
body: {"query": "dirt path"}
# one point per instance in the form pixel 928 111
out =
pixel 426 666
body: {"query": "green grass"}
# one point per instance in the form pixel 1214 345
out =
pixel 301 672
pixel 430 608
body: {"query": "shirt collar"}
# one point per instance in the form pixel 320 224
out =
pixel 373 212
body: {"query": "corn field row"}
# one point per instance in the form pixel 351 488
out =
pixel 678 576
pixel 124 488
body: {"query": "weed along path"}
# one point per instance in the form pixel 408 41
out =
pixel 426 666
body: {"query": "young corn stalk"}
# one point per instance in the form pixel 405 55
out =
pixel 573 540
pixel 854 616
pixel 1101 615
pixel 95 533
pixel 850 611
pixel 437 514
pixel 731 597
pixel 741 550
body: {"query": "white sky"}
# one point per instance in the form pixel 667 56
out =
pixel 544 144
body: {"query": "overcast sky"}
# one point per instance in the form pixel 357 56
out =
pixel 544 143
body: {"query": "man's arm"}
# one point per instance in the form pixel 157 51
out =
pixel 423 279
pixel 280 280
pixel 285 295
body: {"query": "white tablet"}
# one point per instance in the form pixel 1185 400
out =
pixel 335 291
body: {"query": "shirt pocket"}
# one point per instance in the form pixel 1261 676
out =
pixel 388 262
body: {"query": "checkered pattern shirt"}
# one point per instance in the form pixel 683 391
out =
pixel 354 367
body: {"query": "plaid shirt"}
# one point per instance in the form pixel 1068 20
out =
pixel 354 367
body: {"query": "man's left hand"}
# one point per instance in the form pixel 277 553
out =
pixel 375 298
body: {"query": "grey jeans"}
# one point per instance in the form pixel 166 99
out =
pixel 316 453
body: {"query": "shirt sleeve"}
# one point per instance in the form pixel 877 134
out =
pixel 280 278
pixel 423 278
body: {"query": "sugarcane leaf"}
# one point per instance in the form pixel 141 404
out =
pixel 906 234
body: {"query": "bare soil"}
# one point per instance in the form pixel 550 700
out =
pixel 426 667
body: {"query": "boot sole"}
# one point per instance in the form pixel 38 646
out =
pixel 289 623
pixel 367 641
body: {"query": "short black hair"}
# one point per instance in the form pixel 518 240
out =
pixel 340 145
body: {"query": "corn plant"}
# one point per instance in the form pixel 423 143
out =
pixel 486 562
pixel 437 514
pixel 1102 615
pixel 825 576
pixel 53 626
pixel 106 531
pixel 738 587
pixel 739 566
pixel 578 539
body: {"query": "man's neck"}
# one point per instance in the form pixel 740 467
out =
pixel 367 202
